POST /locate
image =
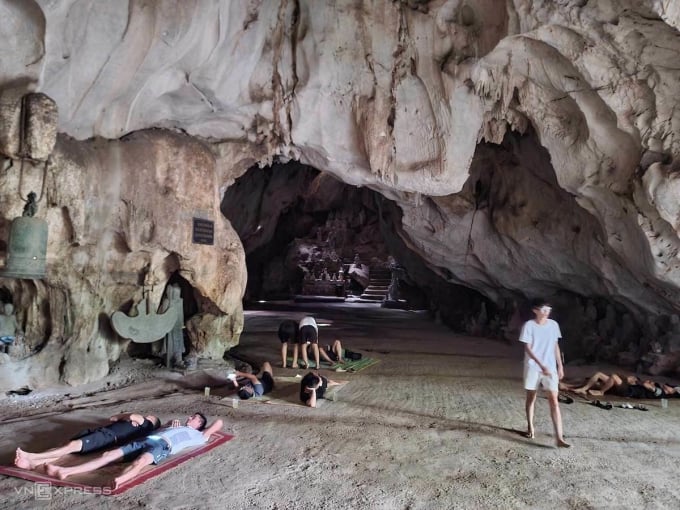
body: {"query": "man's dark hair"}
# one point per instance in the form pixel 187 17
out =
pixel 539 302
pixel 244 394
pixel 156 422
pixel 313 381
pixel 204 421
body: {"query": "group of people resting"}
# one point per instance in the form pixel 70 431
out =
pixel 135 437
pixel 313 385
pixel 141 439
pixel 629 386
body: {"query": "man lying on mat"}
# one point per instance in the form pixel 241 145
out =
pixel 124 428
pixel 150 450
pixel 313 387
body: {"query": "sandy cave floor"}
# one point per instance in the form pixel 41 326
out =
pixel 436 424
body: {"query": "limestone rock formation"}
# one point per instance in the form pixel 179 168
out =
pixel 530 146
pixel 120 215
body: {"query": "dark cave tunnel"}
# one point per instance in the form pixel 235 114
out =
pixel 300 223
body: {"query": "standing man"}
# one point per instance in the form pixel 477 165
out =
pixel 308 334
pixel 542 365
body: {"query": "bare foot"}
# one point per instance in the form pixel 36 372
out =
pixel 561 443
pixel 56 471
pixel 529 434
pixel 22 461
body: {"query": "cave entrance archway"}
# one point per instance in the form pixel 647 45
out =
pixel 299 226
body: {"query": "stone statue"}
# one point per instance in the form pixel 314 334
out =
pixel 9 327
pixel 31 206
pixel 174 339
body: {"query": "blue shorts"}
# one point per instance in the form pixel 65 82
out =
pixel 156 446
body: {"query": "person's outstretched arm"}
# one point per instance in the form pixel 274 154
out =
pixel 212 429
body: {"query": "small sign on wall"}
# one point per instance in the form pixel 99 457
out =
pixel 203 231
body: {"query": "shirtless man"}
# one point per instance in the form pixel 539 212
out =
pixel 150 450
pixel 630 386
pixel 124 428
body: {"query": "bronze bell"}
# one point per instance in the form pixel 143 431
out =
pixel 26 249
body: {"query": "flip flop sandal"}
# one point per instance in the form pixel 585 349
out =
pixel 602 405
pixel 640 407
pixel 565 399
pixel 626 406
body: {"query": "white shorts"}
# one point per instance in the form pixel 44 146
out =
pixel 533 378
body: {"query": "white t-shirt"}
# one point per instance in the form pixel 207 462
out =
pixel 542 339
pixel 309 321
pixel 180 438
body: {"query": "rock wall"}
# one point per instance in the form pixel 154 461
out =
pixel 438 105
pixel 120 215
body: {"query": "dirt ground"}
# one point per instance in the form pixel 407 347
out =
pixel 435 424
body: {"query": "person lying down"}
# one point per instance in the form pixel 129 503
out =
pixel 169 440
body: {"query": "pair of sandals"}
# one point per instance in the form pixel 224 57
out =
pixel 602 405
pixel 639 407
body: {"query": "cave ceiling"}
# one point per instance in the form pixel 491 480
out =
pixel 529 146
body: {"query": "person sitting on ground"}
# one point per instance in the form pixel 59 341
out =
pixel 124 428
pixel 151 450
pixel 288 330
pixel 313 387
pixel 251 385
pixel 308 334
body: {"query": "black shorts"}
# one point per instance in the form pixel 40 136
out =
pixel 288 331
pixel 96 439
pixel 267 382
pixel 308 334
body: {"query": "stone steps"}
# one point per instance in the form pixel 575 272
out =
pixel 378 285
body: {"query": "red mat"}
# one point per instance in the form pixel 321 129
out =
pixel 98 482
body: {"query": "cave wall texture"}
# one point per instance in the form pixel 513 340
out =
pixel 532 147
